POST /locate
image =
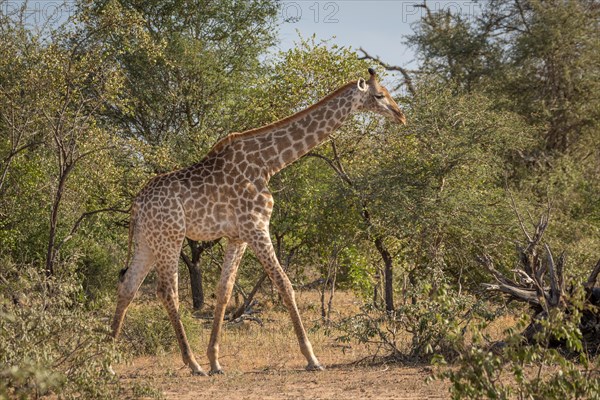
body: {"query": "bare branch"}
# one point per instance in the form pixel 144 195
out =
pixel 522 15
pixel 90 152
pixel 527 295
pixel 248 299
pixel 514 206
pixel 525 279
pixel 508 286
pixel 336 158
pixel 591 282
pixel 555 290
pixel 426 7
pixel 486 261
pixel 539 230
pixel 405 74
pixel 560 264
pixel 333 164
pixel 245 317
pixel 81 218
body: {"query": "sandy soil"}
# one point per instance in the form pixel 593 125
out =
pixel 265 363
pixel 342 381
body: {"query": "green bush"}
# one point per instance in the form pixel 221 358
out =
pixel 49 342
pixel 431 317
pixel 148 331
pixel 526 371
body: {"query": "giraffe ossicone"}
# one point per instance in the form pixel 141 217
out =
pixel 226 194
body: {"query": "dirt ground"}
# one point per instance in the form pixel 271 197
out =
pixel 265 363
pixel 340 381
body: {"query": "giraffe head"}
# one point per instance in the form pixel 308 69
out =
pixel 376 98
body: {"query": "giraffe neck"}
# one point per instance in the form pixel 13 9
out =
pixel 272 147
pixel 293 137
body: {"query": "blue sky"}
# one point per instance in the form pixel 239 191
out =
pixel 379 26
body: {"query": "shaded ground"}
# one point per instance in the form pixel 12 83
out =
pixel 265 363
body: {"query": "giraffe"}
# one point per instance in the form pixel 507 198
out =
pixel 226 194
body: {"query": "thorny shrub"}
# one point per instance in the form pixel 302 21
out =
pixel 431 318
pixel 515 369
pixel 148 331
pixel 50 343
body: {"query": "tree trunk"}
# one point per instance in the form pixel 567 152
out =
pixel 388 261
pixel 196 282
pixel 195 270
pixel 372 232
pixel 51 250
pixel 387 274
pixel 332 270
pixel 248 300
pixel 376 289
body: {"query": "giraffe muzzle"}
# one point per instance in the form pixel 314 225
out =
pixel 398 115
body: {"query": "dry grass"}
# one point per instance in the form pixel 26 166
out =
pixel 265 362
pixel 274 346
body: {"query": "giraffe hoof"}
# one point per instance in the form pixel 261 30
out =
pixel 315 367
pixel 216 372
pixel 199 373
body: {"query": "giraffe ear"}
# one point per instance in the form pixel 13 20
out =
pixel 362 85
pixel 372 75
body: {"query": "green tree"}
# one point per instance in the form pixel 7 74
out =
pixel 330 208
pixel 190 89
pixel 445 195
pixel 554 66
pixel 54 91
pixel 540 58
pixel 455 48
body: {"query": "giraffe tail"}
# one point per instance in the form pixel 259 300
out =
pixel 132 221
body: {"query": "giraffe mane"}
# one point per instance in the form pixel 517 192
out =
pixel 224 142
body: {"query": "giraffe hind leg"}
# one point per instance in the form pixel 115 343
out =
pixel 130 279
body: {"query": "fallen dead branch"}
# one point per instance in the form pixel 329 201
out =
pixel 539 280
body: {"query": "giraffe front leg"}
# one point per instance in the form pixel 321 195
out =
pixel 263 248
pixel 233 256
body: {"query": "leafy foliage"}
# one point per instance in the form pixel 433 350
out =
pixel 50 344
pixel 149 332
pixel 430 319
pixel 534 371
pixel 506 101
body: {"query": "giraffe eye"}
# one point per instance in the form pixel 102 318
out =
pixel 379 96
